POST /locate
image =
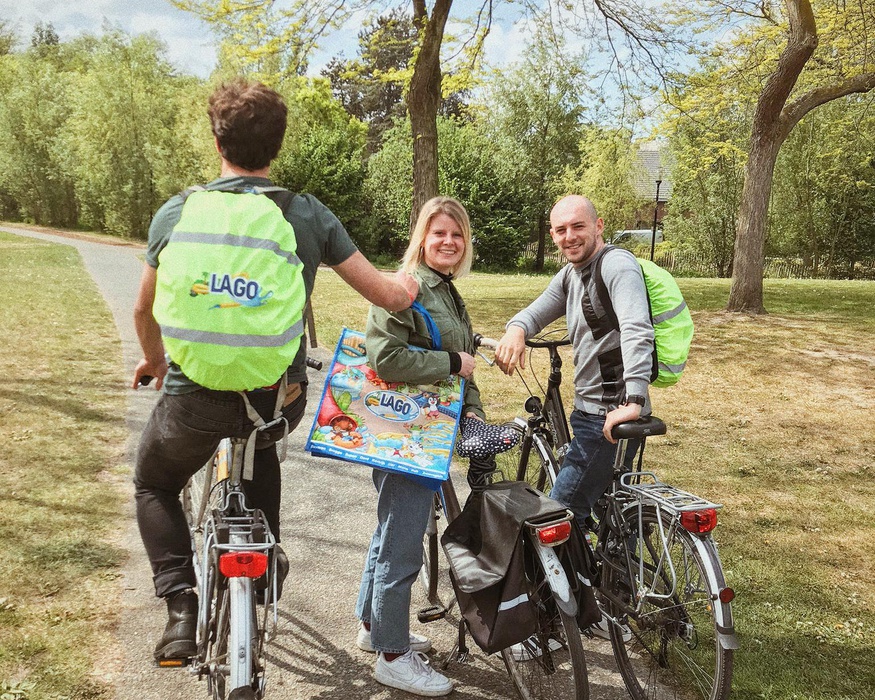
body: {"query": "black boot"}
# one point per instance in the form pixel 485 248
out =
pixel 178 641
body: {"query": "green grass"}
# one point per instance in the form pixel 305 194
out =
pixel 773 418
pixel 62 430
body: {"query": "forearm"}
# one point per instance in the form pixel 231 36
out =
pixel 388 343
pixel 379 288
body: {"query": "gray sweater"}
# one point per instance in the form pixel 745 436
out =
pixel 608 364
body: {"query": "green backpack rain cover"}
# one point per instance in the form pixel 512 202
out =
pixel 230 290
pixel 672 322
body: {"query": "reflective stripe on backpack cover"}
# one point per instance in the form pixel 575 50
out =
pixel 230 290
pixel 672 322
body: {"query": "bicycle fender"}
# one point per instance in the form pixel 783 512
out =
pixel 722 611
pixel 556 579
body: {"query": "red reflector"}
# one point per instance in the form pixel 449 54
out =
pixel 555 534
pixel 243 564
pixel 699 521
pixel 726 595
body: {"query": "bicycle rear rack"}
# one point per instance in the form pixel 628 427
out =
pixel 650 488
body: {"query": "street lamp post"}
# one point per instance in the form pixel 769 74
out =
pixel 655 215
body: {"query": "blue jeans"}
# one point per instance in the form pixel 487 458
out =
pixel 587 470
pixel 394 560
pixel 181 435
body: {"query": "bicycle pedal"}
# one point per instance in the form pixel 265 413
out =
pixel 172 663
pixel 432 613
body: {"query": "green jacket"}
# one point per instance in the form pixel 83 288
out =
pixel 390 333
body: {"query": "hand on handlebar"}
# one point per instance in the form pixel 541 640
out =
pixel 146 371
pixel 511 349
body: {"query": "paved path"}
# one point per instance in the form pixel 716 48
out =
pixel 328 518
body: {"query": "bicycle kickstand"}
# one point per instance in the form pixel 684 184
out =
pixel 459 653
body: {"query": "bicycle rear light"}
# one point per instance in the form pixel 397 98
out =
pixel 726 595
pixel 699 522
pixel 243 564
pixel 552 535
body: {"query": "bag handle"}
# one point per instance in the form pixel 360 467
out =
pixel 433 330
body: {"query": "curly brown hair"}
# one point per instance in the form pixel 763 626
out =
pixel 249 122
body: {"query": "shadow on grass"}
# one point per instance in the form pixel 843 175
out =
pixel 43 398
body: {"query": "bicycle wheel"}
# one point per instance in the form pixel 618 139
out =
pixel 531 461
pixel 550 664
pixel 674 651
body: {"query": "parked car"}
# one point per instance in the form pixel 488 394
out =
pixel 635 237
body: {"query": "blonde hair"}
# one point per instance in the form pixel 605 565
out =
pixel 434 206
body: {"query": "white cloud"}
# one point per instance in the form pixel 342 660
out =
pixel 189 41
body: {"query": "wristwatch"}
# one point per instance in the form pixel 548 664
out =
pixel 635 398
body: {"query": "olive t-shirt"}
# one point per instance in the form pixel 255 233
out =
pixel 320 236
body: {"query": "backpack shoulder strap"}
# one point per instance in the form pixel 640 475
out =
pixel 602 288
pixel 191 190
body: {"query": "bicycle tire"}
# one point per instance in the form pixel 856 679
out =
pixel 532 461
pixel 674 651
pixel 551 664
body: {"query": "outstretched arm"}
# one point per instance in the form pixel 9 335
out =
pixel 391 292
pixel 153 363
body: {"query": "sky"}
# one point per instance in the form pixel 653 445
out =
pixel 190 46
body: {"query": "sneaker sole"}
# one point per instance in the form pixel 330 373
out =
pixel 428 693
pixel 415 646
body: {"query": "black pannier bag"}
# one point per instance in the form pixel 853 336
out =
pixel 492 566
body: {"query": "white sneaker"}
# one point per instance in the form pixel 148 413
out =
pixel 417 642
pixel 531 649
pixel 602 629
pixel 411 672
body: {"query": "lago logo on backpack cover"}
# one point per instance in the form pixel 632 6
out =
pixel 242 290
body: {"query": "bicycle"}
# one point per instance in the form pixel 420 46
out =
pixel 661 583
pixel 235 558
pixel 551 663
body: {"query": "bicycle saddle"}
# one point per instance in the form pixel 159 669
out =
pixel 643 427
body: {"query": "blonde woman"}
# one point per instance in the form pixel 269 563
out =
pixel 439 252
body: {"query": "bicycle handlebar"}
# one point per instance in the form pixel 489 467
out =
pixel 481 341
pixel 548 343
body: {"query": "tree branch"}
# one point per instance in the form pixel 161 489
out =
pixel 801 106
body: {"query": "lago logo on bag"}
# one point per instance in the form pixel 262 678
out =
pixel 242 290
pixel 396 426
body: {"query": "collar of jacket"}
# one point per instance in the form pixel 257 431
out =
pixel 428 276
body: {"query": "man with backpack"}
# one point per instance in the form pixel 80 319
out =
pixel 612 367
pixel 229 269
pixel 613 362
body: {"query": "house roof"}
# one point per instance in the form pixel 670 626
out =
pixel 652 166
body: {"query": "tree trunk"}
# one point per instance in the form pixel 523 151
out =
pixel 542 242
pixel 746 294
pixel 771 125
pixel 423 102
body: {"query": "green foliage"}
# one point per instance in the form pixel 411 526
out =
pixel 536 112
pixel 121 136
pixel 34 106
pixel 824 200
pixel 323 151
pixel 606 175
